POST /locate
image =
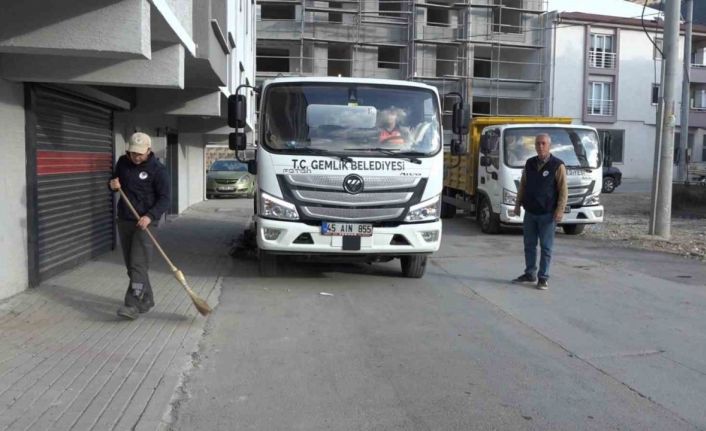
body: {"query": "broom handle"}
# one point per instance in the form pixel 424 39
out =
pixel 154 240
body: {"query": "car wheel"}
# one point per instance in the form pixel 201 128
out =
pixel 489 221
pixel 414 266
pixel 573 229
pixel 608 184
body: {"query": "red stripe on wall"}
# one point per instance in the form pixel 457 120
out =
pixel 72 162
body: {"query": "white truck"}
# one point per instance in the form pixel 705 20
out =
pixel 486 179
pixel 334 179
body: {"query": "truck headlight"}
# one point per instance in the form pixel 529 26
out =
pixel 272 207
pixel 509 198
pixel 425 211
pixel 592 200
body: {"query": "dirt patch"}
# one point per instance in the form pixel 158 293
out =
pixel 627 223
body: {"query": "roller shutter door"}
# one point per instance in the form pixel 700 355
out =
pixel 73 156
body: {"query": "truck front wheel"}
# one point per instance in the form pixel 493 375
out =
pixel 414 266
pixel 573 229
pixel 489 221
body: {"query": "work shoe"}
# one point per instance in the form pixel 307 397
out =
pixel 525 278
pixel 129 312
pixel 145 304
pixel 542 284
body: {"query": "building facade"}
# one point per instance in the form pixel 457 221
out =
pixel 605 72
pixel 76 80
pixel 489 50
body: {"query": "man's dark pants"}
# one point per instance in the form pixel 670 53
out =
pixel 137 252
pixel 538 227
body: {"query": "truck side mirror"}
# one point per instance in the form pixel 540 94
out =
pixel 485 144
pixel 607 150
pixel 485 161
pixel 458 148
pixel 237 141
pixel 237 111
pixel 460 118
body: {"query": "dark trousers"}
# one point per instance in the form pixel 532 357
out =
pixel 538 227
pixel 137 253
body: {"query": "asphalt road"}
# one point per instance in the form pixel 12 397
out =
pixel 617 342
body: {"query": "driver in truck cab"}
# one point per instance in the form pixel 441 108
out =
pixel 390 130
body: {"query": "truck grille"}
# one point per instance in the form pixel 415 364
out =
pixel 322 197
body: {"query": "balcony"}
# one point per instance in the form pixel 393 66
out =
pixel 600 107
pixel 698 74
pixel 697 117
pixel 601 59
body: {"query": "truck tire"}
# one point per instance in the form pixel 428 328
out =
pixel 573 229
pixel 268 264
pixel 489 221
pixel 447 210
pixel 414 266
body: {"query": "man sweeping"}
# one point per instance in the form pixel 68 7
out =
pixel 145 182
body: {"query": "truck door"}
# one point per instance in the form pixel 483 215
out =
pixel 488 175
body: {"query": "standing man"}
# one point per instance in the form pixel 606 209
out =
pixel 145 181
pixel 543 194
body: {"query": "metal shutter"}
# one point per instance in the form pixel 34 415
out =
pixel 73 150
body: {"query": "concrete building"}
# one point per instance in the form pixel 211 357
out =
pixel 490 50
pixel 76 79
pixel 605 72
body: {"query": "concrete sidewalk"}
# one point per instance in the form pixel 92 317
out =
pixel 68 362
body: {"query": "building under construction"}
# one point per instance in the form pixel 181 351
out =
pixel 488 50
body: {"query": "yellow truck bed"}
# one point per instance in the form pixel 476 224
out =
pixel 460 171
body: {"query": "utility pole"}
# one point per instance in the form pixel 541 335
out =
pixel 661 218
pixel 685 93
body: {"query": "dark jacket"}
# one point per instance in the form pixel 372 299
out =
pixel 541 195
pixel 146 185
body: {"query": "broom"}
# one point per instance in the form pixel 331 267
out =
pixel 200 304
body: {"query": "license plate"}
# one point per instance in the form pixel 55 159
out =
pixel 226 189
pixel 346 229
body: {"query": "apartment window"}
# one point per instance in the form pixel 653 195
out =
pixel 507 16
pixel 277 11
pixel 659 43
pixel 390 8
pixel 600 98
pixel 335 16
pixel 602 53
pixel 388 57
pixel 612 142
pixel 437 17
pixel 272 60
pixel 481 67
pixel 655 94
pixel 340 59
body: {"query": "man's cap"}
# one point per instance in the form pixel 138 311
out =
pixel 139 143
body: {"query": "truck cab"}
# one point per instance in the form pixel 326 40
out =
pixel 349 169
pixel 506 150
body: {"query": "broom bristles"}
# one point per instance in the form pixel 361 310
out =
pixel 201 305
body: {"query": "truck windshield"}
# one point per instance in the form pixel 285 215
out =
pixel 575 147
pixel 351 118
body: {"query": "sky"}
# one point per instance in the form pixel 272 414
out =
pixel 620 8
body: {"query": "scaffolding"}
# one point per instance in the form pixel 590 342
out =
pixel 490 50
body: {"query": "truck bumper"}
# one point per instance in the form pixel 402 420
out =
pixel 583 215
pixel 289 239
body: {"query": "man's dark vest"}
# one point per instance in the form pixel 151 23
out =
pixel 540 196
